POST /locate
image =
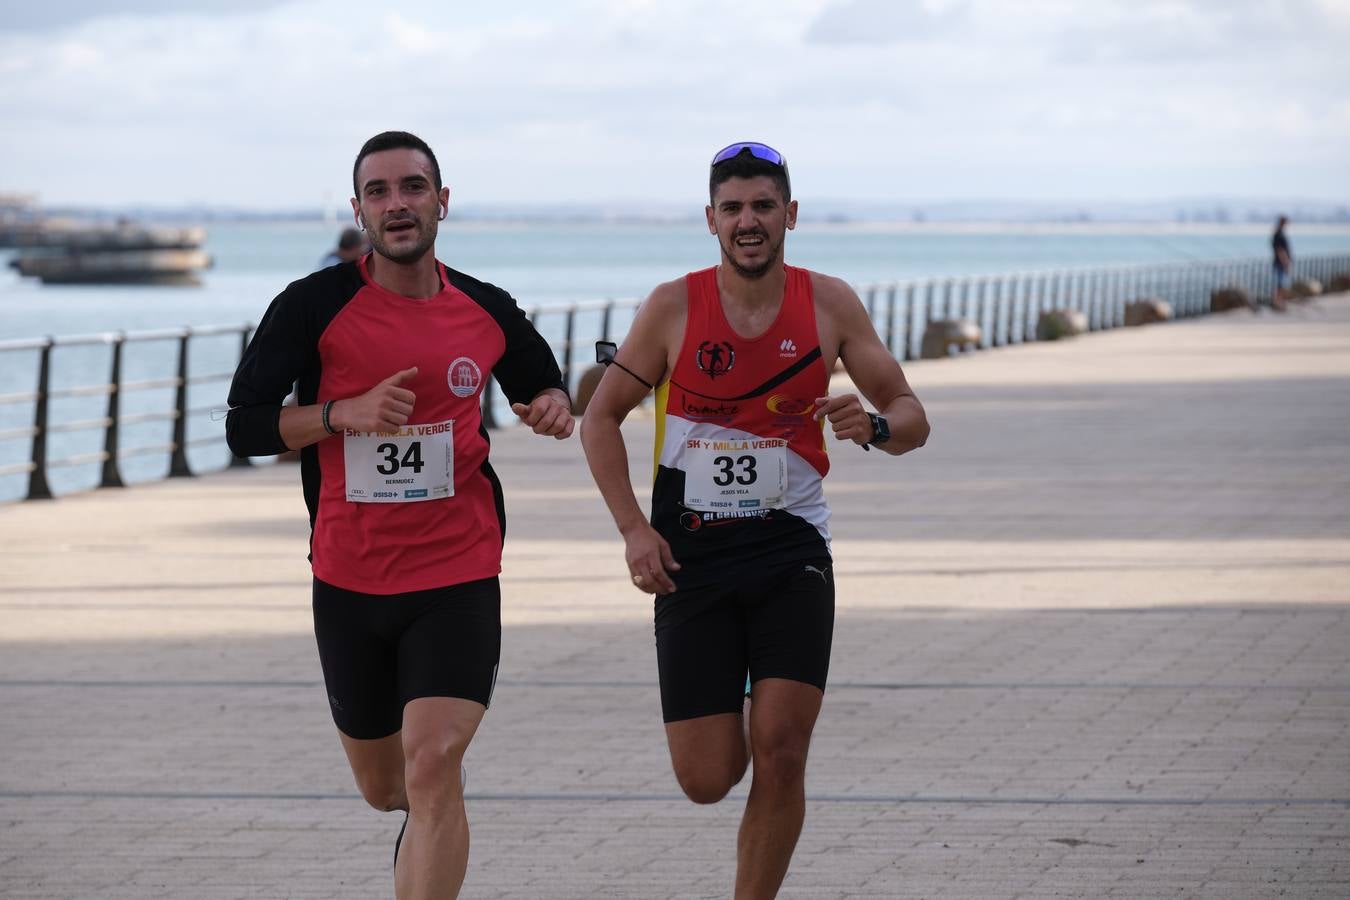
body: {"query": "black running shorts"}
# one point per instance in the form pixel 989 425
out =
pixel 777 625
pixel 380 651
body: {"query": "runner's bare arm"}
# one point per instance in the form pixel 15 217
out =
pixel 651 341
pixel 384 407
pixel 874 372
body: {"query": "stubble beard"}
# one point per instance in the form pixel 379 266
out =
pixel 753 274
pixel 427 230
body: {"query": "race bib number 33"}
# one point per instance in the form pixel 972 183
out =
pixel 731 476
pixel 415 463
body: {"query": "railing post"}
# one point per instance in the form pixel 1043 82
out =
pixel 890 318
pixel 178 463
pixel 488 412
pixel 112 477
pixel 1001 311
pixel 38 489
pixel 919 315
pixel 569 333
pixel 1119 297
pixel 1036 289
pixel 242 462
pixel 983 307
pixel 907 321
pixel 1092 285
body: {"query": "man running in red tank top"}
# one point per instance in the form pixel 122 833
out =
pixel 737 546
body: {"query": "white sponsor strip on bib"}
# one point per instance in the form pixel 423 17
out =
pixel 415 463
pixel 729 475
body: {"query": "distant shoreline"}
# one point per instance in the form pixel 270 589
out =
pixel 831 223
pixel 1179 216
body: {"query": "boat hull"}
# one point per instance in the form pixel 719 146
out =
pixel 116 267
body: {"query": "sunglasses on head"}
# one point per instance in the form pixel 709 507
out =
pixel 757 150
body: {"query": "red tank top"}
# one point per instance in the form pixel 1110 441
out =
pixel 736 442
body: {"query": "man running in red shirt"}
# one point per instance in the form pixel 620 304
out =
pixel 390 354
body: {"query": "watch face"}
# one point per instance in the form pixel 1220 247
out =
pixel 881 429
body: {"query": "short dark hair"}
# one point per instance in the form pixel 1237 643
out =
pixel 350 238
pixel 747 165
pixel 394 140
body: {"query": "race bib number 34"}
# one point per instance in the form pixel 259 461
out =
pixel 731 476
pixel 415 463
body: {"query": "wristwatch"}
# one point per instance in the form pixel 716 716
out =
pixel 881 429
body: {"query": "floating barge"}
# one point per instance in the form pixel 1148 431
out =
pixel 120 254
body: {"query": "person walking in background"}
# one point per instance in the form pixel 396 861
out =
pixel 1283 265
pixel 391 354
pixel 737 548
pixel 351 245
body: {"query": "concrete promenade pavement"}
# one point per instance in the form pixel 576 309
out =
pixel 1092 641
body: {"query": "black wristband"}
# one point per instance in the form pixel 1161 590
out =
pixel 327 425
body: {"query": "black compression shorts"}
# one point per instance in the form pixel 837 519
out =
pixel 380 651
pixel 778 625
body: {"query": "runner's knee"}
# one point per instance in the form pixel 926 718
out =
pixel 780 763
pixel 704 783
pixel 382 790
pixel 432 770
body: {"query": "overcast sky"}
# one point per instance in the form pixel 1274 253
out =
pixel 264 104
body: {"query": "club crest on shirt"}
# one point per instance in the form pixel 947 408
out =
pixel 464 377
pixel 715 358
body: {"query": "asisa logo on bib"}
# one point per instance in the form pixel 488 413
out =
pixel 464 377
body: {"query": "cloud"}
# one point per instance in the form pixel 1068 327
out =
pixel 611 99
pixel 882 22
pixel 57 15
pixel 1183 32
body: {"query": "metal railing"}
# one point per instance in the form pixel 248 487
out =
pixel 1005 307
pixel 113 421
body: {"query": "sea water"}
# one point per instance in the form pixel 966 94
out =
pixel 543 265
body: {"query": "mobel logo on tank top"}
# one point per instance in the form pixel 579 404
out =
pixel 787 349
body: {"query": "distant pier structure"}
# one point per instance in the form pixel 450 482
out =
pixel 65 252
pixel 20 220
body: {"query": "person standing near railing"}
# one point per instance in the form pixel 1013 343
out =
pixel 351 246
pixel 1283 264
pixel 391 353
pixel 737 549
